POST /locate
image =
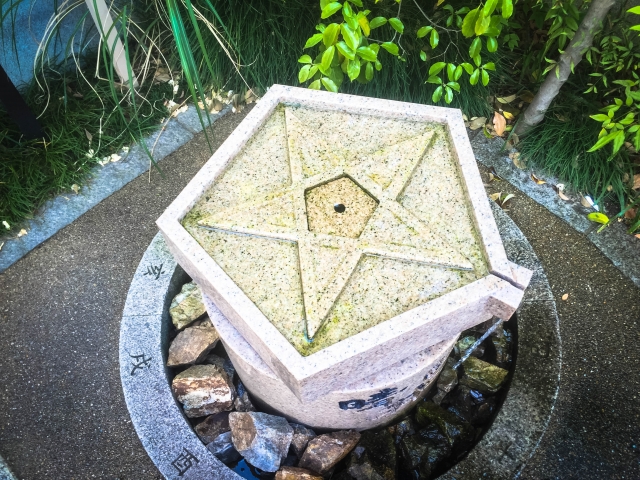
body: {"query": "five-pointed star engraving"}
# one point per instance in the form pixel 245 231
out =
pixel 327 262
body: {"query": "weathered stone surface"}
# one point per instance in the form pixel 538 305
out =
pixel 213 426
pixel 448 378
pixel 364 471
pixel 192 345
pixel 294 473
pixel 449 424
pixel 502 345
pixel 325 451
pixel 380 450
pixel 483 376
pixel 204 390
pixel 301 437
pixel 242 402
pixel 466 342
pixel 402 429
pixel 222 447
pixel 413 450
pixel 187 306
pixel 262 439
pixel 224 363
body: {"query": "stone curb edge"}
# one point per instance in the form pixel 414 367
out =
pixel 62 210
pixel 618 246
pixel 178 453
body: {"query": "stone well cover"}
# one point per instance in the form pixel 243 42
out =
pixel 340 234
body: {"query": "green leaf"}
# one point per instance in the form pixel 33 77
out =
pixel 507 8
pixel 390 47
pixel 635 28
pixel 458 73
pixel 448 95
pixel 315 85
pixel 329 84
pixel 451 70
pixel 368 71
pixel 489 7
pixel 434 38
pixel 378 65
pixel 489 66
pixel 349 36
pixel 618 141
pixel 357 2
pixel 473 79
pixel 344 49
pixel 377 22
pixel 353 69
pixel 436 68
pixel 467 67
pixel 476 47
pixel 571 23
pixel 437 94
pixel 434 79
pixel 423 55
pixel 330 34
pixel 346 10
pixel 469 22
pixel 424 31
pixel 367 53
pixel 635 10
pixel 485 77
pixel 598 218
pixel 482 24
pixel 454 85
pixel 330 9
pixel 327 58
pixel 604 140
pixel 303 75
pixel 492 44
pixel 314 40
pixel 304 59
pixel 397 25
pixel 477 60
pixel 364 24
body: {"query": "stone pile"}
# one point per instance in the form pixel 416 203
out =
pixel 420 445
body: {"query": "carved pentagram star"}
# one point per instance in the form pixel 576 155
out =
pixel 328 260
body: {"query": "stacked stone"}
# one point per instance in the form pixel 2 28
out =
pixel 233 430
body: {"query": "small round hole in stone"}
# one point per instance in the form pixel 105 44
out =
pixel 340 208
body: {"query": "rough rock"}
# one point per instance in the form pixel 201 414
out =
pixel 449 424
pixel 465 343
pixel 262 439
pixel 380 452
pixel 301 437
pixel 325 451
pixel 187 306
pixel 401 429
pixel 242 402
pixel 502 345
pixel 483 376
pixel 192 345
pixel 413 450
pixel 212 426
pixel 222 447
pixel 224 363
pixel 364 471
pixel 204 390
pixel 294 473
pixel 448 378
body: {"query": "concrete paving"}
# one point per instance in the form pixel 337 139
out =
pixel 62 412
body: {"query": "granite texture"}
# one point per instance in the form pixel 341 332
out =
pixel 63 209
pixel 503 451
pixel 523 419
pixel 617 245
pixel 366 403
pixel 250 215
pixel 158 419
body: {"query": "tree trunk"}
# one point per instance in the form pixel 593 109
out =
pixel 579 44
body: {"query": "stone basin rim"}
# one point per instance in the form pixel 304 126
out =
pixel 166 434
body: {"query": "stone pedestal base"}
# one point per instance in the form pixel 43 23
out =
pixel 368 403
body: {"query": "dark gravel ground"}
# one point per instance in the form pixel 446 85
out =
pixel 62 413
